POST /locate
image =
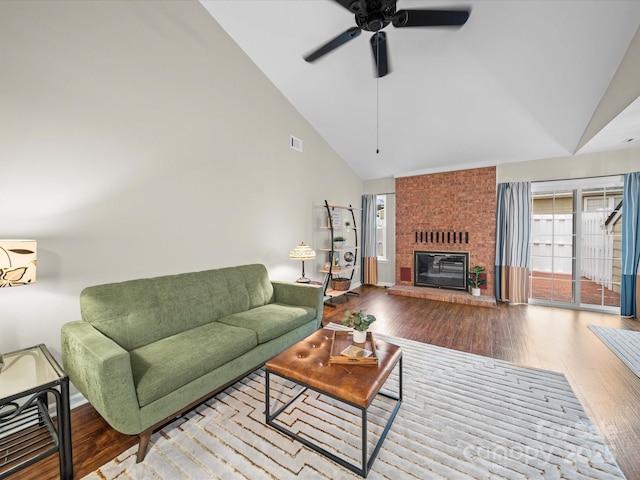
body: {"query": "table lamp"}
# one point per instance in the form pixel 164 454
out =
pixel 302 252
pixel 17 262
pixel 17 265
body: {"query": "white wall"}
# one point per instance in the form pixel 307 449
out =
pixel 577 166
pixel 136 139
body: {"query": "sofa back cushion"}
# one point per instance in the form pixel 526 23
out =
pixel 139 312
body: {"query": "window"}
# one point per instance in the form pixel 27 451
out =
pixel 575 242
pixel 381 227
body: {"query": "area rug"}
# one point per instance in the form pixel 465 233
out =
pixel 463 417
pixel 625 344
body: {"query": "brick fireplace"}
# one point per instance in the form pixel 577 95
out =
pixel 447 212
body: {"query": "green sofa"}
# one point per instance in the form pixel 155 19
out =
pixel 148 350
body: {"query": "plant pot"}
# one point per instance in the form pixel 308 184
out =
pixel 475 292
pixel 359 337
pixel 338 245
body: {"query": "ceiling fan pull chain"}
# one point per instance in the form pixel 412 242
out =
pixel 377 118
pixel 377 104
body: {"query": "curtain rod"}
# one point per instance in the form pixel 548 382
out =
pixel 575 178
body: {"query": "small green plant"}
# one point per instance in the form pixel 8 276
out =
pixel 358 320
pixel 474 277
pixel 339 239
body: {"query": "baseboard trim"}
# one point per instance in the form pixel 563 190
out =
pixel 76 400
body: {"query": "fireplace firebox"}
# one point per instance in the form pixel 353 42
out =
pixel 440 269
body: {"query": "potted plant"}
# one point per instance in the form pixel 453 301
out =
pixel 474 277
pixel 338 241
pixel 360 322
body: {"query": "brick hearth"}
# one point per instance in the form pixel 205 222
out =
pixel 442 295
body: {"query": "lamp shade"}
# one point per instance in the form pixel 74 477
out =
pixel 302 252
pixel 17 262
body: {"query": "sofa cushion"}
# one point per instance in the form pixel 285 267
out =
pixel 166 365
pixel 139 312
pixel 271 321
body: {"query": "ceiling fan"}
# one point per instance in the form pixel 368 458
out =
pixel 374 15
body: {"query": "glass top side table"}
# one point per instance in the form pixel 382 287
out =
pixel 28 378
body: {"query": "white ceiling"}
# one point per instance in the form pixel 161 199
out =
pixel 520 81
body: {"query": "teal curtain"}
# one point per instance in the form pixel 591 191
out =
pixel 630 245
pixel 369 274
pixel 513 225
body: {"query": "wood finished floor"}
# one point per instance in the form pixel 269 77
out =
pixel 542 337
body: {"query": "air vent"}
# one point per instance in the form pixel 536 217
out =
pixel 295 143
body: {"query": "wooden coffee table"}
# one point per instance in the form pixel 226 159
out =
pixel 306 363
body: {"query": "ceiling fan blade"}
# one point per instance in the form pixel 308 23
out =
pixel 334 43
pixel 430 18
pixel 353 6
pixel 379 47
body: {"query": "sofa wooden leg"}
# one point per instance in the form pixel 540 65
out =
pixel 143 445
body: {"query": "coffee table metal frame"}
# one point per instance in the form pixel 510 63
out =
pixel 366 463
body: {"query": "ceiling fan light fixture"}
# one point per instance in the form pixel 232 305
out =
pixel 373 22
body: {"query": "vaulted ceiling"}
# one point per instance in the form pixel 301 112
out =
pixel 519 81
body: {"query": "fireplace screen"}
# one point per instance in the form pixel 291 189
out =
pixel 441 269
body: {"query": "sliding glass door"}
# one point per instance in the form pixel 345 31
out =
pixel 552 244
pixel 575 243
pixel 601 246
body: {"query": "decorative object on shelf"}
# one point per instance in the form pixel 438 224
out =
pixel 336 218
pixel 360 322
pixel 338 242
pixel 17 262
pixel 341 284
pixel 475 279
pixel 348 257
pixel 302 252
